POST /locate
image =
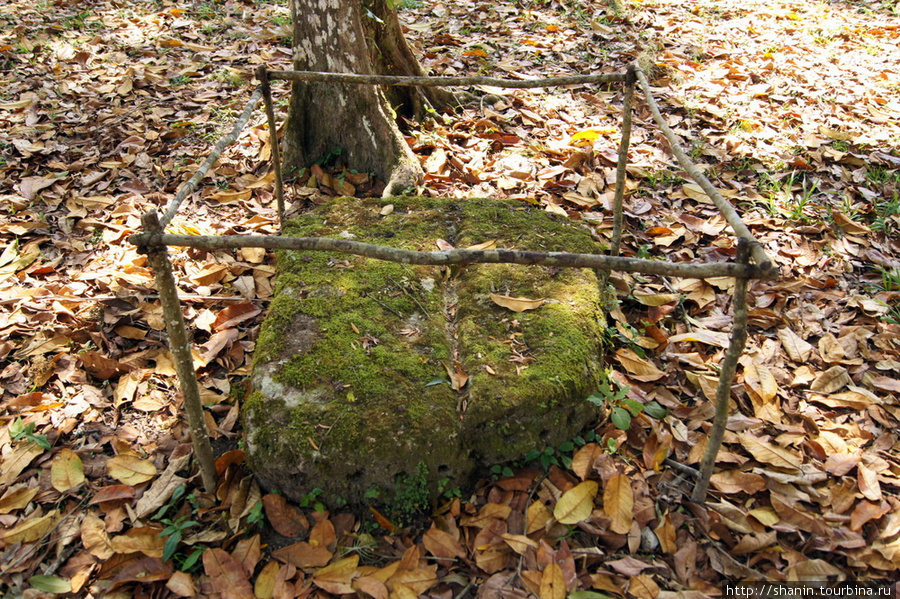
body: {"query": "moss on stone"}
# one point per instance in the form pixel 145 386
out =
pixel 350 345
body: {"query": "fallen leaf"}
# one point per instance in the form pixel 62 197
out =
pixel 130 469
pixel 618 503
pixel 226 575
pixel 577 503
pixel 66 470
pixel 335 578
pixel 637 367
pixel 769 453
pixel 516 304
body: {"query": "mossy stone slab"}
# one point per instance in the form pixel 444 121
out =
pixel 347 393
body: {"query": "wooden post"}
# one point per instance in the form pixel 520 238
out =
pixel 631 78
pixel 263 75
pixel 181 351
pixel 726 376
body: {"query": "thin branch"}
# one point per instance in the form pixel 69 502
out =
pixel 459 256
pixel 134 296
pixel 223 143
pixel 442 81
pixel 618 216
pixel 731 216
pixel 726 378
pixel 263 75
pixel 181 352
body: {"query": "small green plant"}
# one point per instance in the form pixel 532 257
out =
pixel 498 471
pixel 411 498
pixel 173 533
pixel 446 491
pixel 841 145
pixel 20 431
pixel 885 211
pixel 256 517
pixel 311 499
pixel 206 11
pixel 179 80
pixel 643 252
pixel 559 456
pixel 622 408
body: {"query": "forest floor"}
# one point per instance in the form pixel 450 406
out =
pixel 790 107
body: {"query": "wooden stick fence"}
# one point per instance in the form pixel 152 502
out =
pixel 751 261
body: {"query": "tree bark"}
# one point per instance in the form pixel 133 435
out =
pixel 391 55
pixel 352 36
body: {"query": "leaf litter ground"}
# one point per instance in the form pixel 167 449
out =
pixel 790 107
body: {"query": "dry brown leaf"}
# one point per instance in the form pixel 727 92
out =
pixel 735 481
pixel 516 304
pixel 284 518
pixel 637 367
pixel 442 544
pixel 703 336
pixel 95 538
pixel 226 575
pixel 17 497
pixel 30 529
pixel 17 460
pixel 235 314
pixel 583 460
pixel 336 578
pixel 618 503
pixel 769 453
pixel 643 586
pixel 831 381
pixel 867 480
pixel 304 555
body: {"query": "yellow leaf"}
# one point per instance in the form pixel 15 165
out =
pixel 335 578
pixel 587 137
pixel 31 529
pixel 17 498
pixel 130 470
pixel 584 458
pixel 696 193
pixel 577 503
pixel 516 304
pixel 538 517
pixel 487 245
pixel 638 367
pixel 95 538
pixel 519 543
pixel 656 299
pixel 553 582
pixel 17 460
pixel 618 503
pixel 476 52
pixel 66 471
pixel 760 381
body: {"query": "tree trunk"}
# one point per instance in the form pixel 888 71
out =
pixel 352 36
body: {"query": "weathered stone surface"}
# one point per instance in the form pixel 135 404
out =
pixel 344 384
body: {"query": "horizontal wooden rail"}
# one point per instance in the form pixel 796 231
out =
pixel 460 256
pixel 443 81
